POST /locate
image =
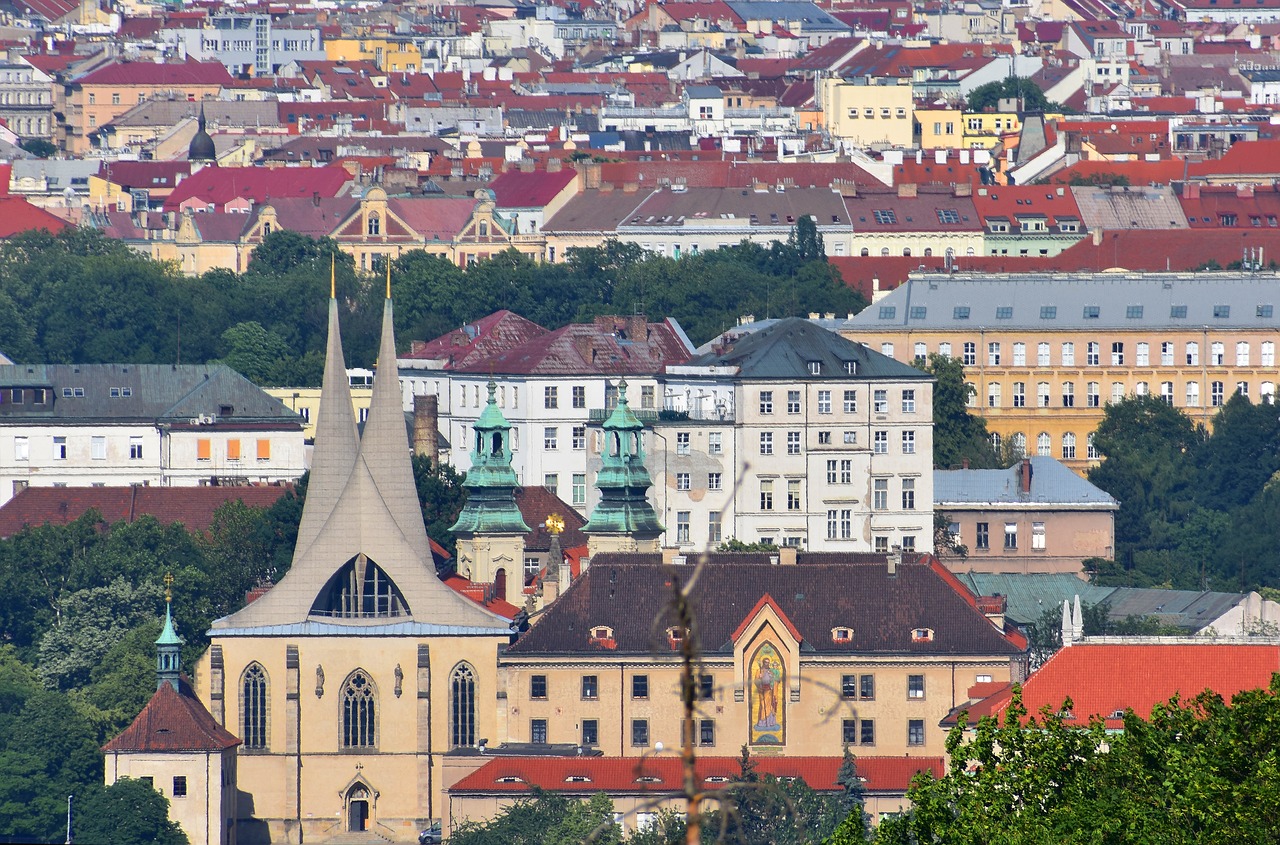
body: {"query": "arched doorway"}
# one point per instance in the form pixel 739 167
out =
pixel 358 808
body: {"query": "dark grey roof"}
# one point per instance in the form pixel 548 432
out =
pixel 155 392
pixel 812 18
pixel 1052 484
pixel 785 349
pixel 1060 301
pixel 630 593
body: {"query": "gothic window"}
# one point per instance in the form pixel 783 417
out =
pixel 253 707
pixel 462 707
pixel 359 723
pixel 358 590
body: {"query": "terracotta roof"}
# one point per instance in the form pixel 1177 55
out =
pixel 628 592
pixel 633 774
pixel 189 72
pixel 488 336
pixel 1102 679
pixel 173 721
pixel 18 215
pixel 608 345
pixel 148 175
pixel 1208 205
pixel 517 189
pixel 1245 158
pixel 220 185
pixel 192 506
pixel 476 592
pixel 536 504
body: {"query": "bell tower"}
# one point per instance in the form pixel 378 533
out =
pixel 624 520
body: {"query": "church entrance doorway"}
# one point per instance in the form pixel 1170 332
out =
pixel 358 809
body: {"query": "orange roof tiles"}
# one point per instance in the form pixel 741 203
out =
pixel 173 721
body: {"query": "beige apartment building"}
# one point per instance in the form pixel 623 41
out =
pixel 1043 354
pixel 867 111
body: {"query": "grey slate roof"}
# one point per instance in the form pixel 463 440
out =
pixel 1117 207
pixel 813 18
pixel 1052 484
pixel 157 392
pixel 784 350
pixel 1061 301
pixel 1028 597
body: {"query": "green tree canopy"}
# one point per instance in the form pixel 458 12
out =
pixel 958 436
pixel 1030 95
pixel 129 812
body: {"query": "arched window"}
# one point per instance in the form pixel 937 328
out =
pixel 1068 446
pixel 865 252
pixel 1043 444
pixel 374 226
pixel 462 707
pixel 928 252
pixel 253 707
pixel 906 252
pixel 359 721
pixel 884 251
pixel 360 589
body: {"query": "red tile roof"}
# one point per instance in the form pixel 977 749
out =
pixel 18 215
pixel 517 189
pixel 173 721
pixel 220 185
pixel 191 506
pixel 189 72
pixel 1104 678
pixel 631 775
pixel 491 335
pixel 1245 158
pixel 1207 206
pixel 612 345
pixel 476 592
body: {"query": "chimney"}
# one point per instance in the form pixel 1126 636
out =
pixel 908 189
pixel 993 607
pixel 591 173
pixel 1067 633
pixel 894 559
pixel 1191 190
pixel 554 165
pixel 1024 477
pixel 964 189
pixel 787 555
pixel 426 426
pixel 315 198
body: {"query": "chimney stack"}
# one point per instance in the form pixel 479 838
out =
pixel 894 559
pixel 1024 477
pixel 426 426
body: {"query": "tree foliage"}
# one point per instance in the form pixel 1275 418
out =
pixel 958 436
pixel 1030 95
pixel 129 812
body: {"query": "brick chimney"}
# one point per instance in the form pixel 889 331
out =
pixel 1024 477
pixel 1191 190
pixel 787 555
pixel 426 426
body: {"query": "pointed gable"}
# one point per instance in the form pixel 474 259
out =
pixel 765 604
pixel 173 721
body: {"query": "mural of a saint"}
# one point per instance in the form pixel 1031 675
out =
pixel 767 680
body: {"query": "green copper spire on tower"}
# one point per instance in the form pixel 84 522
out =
pixel 168 644
pixel 623 480
pixel 491 482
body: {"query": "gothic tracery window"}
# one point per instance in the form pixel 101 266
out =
pixel 253 707
pixel 462 706
pixel 359 720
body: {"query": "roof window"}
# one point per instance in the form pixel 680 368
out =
pixel 1048 312
pixel 961 312
pixel 1092 312
pixel 1222 311
pixel 887 312
pixel 1178 312
pixel 1133 312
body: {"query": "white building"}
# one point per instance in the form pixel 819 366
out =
pixel 150 424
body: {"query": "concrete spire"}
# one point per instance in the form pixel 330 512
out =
pixel 1066 623
pixel 1077 621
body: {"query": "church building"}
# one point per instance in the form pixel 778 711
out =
pixel 351 677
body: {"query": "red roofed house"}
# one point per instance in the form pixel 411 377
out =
pixel 531 197
pixel 102 95
pixel 177 746
pixel 1106 677
pixel 18 215
pixel 639 787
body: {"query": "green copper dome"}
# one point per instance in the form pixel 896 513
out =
pixel 491 482
pixel 623 480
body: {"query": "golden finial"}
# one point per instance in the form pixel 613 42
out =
pixel 333 277
pixel 555 524
pixel 388 277
pixel 168 587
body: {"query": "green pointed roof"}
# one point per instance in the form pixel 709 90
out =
pixel 491 482
pixel 169 635
pixel 623 480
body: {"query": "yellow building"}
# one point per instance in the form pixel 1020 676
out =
pixel 868 110
pixel 306 401
pixel 351 678
pixel 1044 354
pixel 391 55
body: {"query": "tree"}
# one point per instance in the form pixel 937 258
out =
pixel 441 496
pixel 93 619
pixel 958 436
pixel 254 352
pixel 128 812
pixel 733 544
pixel 39 147
pixel 544 818
pixel 762 810
pixel 1030 96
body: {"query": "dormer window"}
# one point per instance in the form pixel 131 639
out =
pixel 851 368
pixel 577 779
pixel 675 636
pixel 922 635
pixel 841 636
pixel 602 636
pixel 509 779
pixel 815 368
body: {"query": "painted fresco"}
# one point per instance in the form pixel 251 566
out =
pixel 767 682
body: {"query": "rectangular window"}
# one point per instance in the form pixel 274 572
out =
pixel 1019 354
pixel 590 687
pixel 639 686
pixel 683 481
pixel 263 449
pixel 908 401
pixel 706 686
pixel 846 471
pixel 1042 394
pixel 579 396
pixel 849 686
pixel 1193 394
pixel 793 495
pixel 833 524
pixel 993 354
pixel 766 442
pixel 1193 354
pixel 793 442
pixel 682 442
pixel 851 438
pixel 881 402
pixel 21 449
pixel 1166 354
pixel 713 528
pixel 1068 394
pixel 233 449
pixel 908 494
pixel 915 732
pixel 647 396
pixel 1117 354
pixel 640 733
pixel 1011 535
pixel 538 686
pixel 970 357
pixel 682 527
pixel 915 686
pixel 1019 394
pixel 1142 356
pixel 714 443
pixel 1268 354
pixel 908 442
pixel 180 786
pixel 1093 354
pixel 1216 394
pixel 766 495
pixel 579 436
pixel 538 731
pixel 551 482
pixel 881 445
pixel 715 481
pixel 851 401
pixel 846 524
pixel 59 448
pixel 1037 536
pixel 706 732
pixel 880 494
pixel 867 687
pixel 550 437
pixel 550 397
pixel 824 401
pixel 984 536
pixel 867 732
pixel 849 731
pixel 766 401
pixel 590 732
pixel 98 448
pixel 1093 394
pixel 579 488
pixel 793 401
pixel 993 395
pixel 204 449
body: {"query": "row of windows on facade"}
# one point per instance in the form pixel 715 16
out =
pixel 358 703
pixel 1093 393
pixel 982 535
pixel 839 527
pixel 234 450
pixel 879 401
pixel 852 732
pixel 42 395
pixel 1044 445
pixel 1090 312
pixel 1093 353
pixel 861 687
